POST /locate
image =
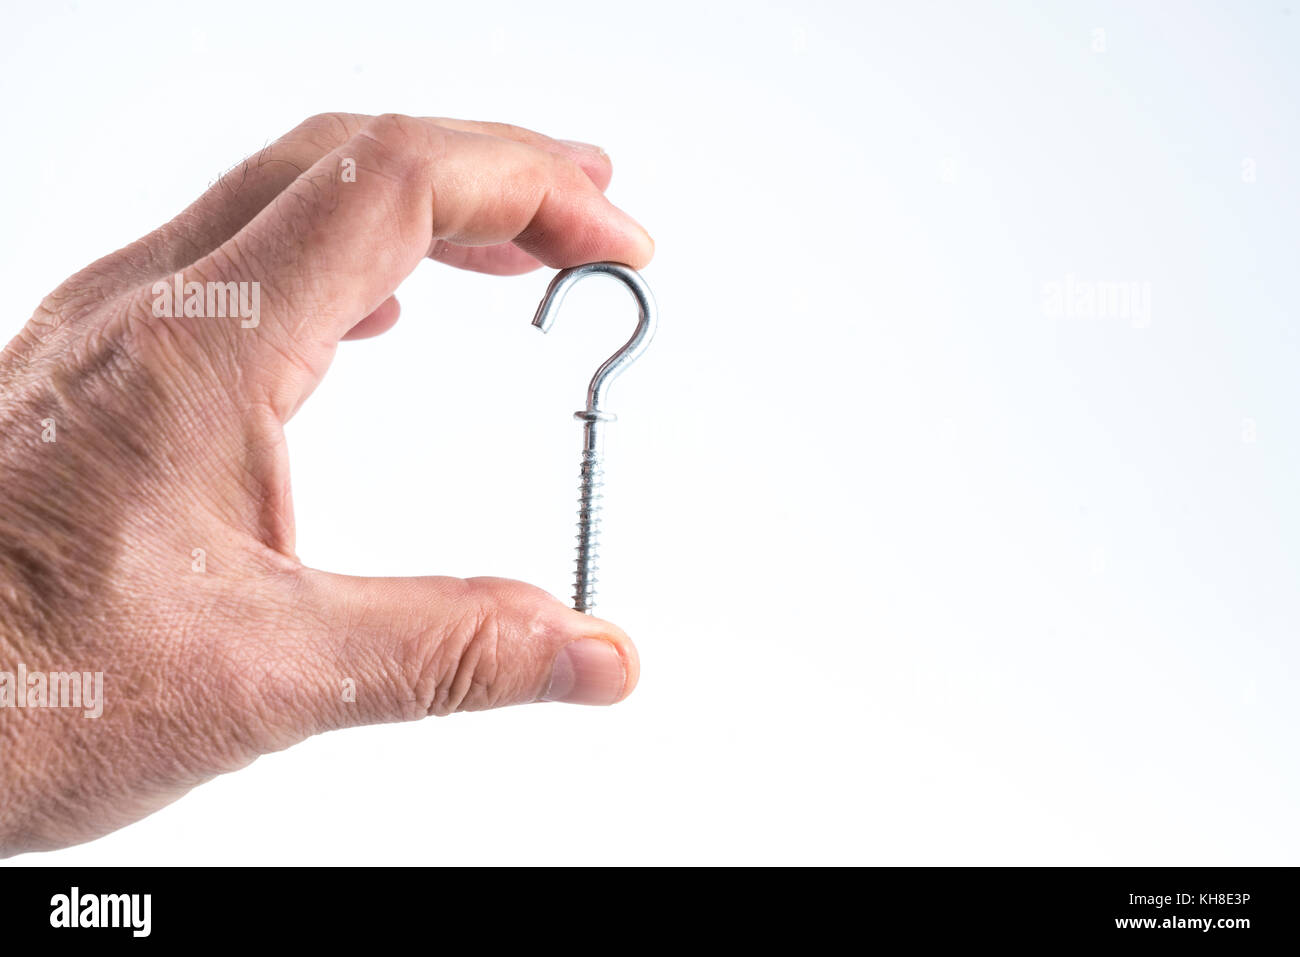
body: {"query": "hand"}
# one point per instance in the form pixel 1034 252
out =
pixel 135 430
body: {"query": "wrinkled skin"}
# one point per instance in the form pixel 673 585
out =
pixel 168 436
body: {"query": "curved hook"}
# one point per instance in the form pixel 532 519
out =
pixel 624 357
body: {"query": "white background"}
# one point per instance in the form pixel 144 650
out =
pixel 919 572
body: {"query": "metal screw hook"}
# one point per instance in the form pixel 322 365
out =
pixel 593 416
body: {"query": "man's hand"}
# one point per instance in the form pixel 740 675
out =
pixel 146 530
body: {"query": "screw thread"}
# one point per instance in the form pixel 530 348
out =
pixel 589 505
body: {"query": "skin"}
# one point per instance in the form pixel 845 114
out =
pixel 169 435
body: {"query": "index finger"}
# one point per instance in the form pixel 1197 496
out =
pixel 337 242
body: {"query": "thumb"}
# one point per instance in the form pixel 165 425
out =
pixel 394 649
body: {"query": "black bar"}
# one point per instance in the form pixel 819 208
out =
pixel 1244 908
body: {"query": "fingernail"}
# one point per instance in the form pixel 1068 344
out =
pixel 587 671
pixel 585 147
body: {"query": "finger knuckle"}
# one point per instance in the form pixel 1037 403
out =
pixel 513 132
pixel 163 345
pixel 461 666
pixel 402 149
pixel 395 131
pixel 333 125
